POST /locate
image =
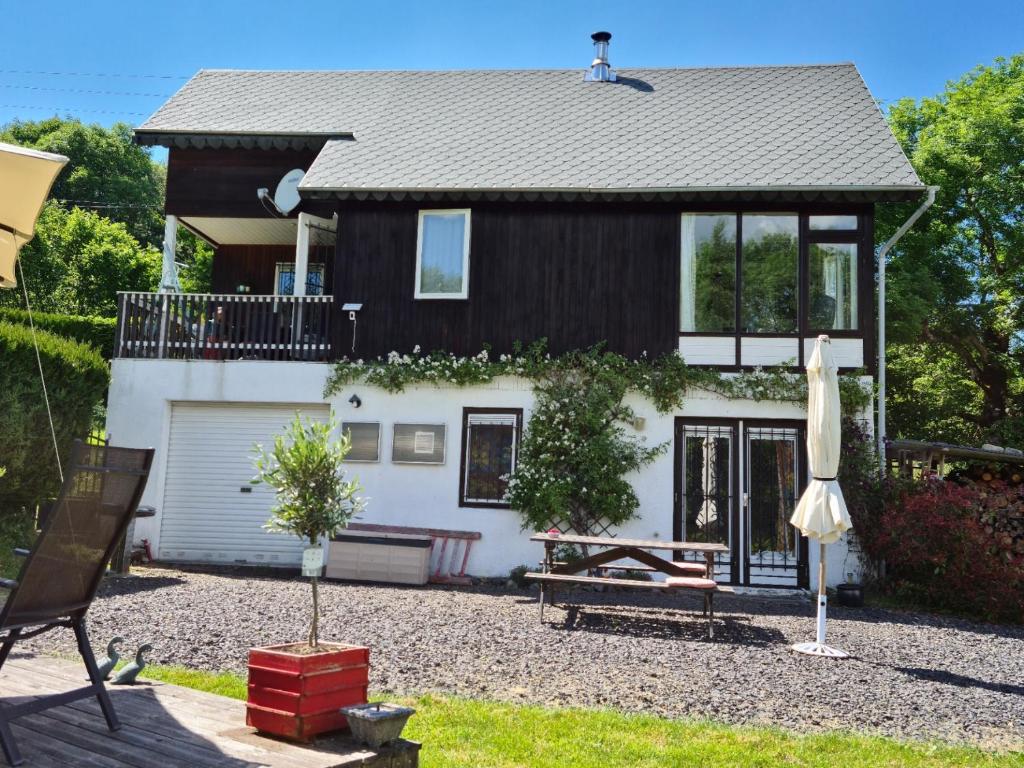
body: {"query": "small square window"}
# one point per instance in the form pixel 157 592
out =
pixel 843 223
pixel 418 444
pixel 284 279
pixel 442 255
pixel 365 440
pixel 490 445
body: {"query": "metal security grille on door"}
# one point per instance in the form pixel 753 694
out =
pixel 773 487
pixel 211 512
pixel 707 485
pixel 737 484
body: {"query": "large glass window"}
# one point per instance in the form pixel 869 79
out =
pixel 770 268
pixel 442 255
pixel 708 273
pixel 490 441
pixel 833 287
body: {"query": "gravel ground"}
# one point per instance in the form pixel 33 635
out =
pixel 911 675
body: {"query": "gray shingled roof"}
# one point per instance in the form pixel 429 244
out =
pixel 744 128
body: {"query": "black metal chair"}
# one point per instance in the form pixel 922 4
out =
pixel 63 571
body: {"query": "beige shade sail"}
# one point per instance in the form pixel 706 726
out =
pixel 26 176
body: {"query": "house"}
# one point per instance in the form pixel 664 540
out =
pixel 723 213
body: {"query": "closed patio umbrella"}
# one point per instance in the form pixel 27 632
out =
pixel 821 513
pixel 26 176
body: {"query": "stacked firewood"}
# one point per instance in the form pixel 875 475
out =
pixel 1000 491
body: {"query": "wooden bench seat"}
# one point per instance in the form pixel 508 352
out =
pixel 571 578
pixel 707 587
pixel 689 567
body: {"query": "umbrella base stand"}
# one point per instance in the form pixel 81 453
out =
pixel 820 649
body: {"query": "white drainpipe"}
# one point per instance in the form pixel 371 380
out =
pixel 880 435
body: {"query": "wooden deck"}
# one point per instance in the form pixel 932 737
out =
pixel 162 726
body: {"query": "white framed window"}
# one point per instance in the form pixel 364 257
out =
pixel 284 279
pixel 365 440
pixel 442 254
pixel 418 444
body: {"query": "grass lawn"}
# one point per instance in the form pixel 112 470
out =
pixel 463 733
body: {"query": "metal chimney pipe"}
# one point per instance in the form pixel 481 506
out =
pixel 600 70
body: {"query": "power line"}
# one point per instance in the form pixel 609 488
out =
pixel 100 204
pixel 86 90
pixel 56 110
pixel 91 74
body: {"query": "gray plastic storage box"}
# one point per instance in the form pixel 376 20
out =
pixel 388 557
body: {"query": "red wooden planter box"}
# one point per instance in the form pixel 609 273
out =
pixel 299 695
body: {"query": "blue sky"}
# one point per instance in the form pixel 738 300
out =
pixel 145 50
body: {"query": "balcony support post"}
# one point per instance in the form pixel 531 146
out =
pixel 169 274
pixel 301 255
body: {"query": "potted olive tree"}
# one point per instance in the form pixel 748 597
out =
pixel 296 689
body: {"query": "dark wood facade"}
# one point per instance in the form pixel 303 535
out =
pixel 223 183
pixel 254 265
pixel 576 273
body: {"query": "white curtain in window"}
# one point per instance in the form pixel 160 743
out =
pixel 441 253
pixel 839 280
pixel 688 274
pixel 851 270
pixel 832 279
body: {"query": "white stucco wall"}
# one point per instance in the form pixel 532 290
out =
pixel 143 391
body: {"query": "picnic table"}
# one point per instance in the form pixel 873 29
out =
pixel 680 574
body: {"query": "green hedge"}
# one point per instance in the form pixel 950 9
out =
pixel 98 332
pixel 76 378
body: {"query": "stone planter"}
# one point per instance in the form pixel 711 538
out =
pixel 850 595
pixel 377 724
pixel 297 694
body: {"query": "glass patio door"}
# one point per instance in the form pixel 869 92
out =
pixel 706 489
pixel 737 484
pixel 773 464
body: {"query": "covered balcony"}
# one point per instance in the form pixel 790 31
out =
pixel 269 301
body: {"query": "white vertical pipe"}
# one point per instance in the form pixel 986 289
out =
pixel 822 596
pixel 301 255
pixel 880 436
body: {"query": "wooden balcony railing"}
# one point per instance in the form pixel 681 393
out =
pixel 205 326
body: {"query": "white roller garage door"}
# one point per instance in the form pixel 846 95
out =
pixel 206 514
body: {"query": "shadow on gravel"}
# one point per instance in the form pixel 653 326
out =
pixel 775 606
pixel 960 681
pixel 681 626
pixel 134 585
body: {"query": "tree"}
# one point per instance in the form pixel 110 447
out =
pixel 931 396
pixel 957 279
pixel 314 500
pixel 575 454
pixel 79 260
pixel 112 177
pixel 106 171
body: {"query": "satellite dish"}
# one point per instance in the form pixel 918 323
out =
pixel 286 196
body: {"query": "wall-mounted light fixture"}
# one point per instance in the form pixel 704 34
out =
pixel 352 308
pixel 356 401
